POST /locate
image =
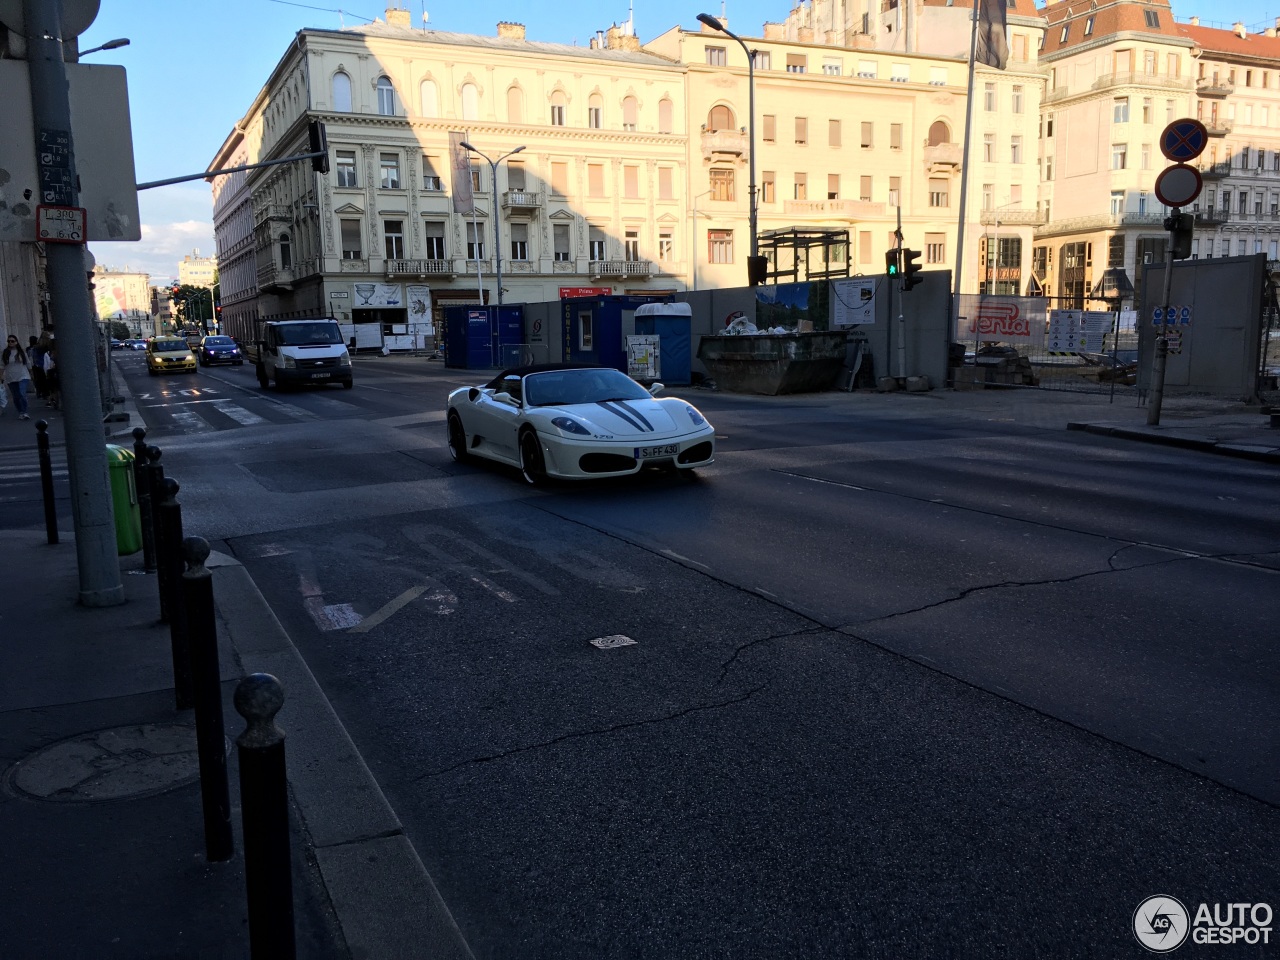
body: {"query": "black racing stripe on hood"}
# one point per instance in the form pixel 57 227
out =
pixel 635 413
pixel 623 413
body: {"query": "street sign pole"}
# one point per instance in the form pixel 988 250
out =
pixel 99 566
pixel 1162 341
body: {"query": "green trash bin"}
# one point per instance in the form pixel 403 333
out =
pixel 124 500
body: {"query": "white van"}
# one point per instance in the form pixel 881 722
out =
pixel 294 352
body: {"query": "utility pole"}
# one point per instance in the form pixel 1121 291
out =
pixel 99 566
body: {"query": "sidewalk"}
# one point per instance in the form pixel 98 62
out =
pixel 100 811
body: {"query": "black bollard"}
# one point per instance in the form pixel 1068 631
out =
pixel 202 633
pixel 264 810
pixel 142 483
pixel 155 483
pixel 46 481
pixel 169 570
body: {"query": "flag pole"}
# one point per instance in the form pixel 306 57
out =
pixel 964 178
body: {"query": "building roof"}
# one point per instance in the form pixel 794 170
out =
pixel 1109 19
pixel 392 32
pixel 1228 43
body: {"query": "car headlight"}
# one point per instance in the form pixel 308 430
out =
pixel 569 425
pixel 345 359
pixel 288 362
pixel 697 418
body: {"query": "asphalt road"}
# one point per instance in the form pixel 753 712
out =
pixel 875 686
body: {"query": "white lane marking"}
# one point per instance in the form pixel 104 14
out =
pixel 238 413
pixel 190 423
pixel 683 559
pixel 612 642
pixel 336 616
pixel 444 600
pixel 495 589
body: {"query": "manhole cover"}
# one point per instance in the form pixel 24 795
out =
pixel 112 764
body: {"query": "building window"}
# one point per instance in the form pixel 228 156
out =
pixel 868 129
pixel 434 231
pixel 1120 110
pixel 586 332
pixel 515 176
pixel 386 97
pixel 595 179
pixel 1119 154
pixel 1152 19
pixel 519 241
pixel 595 112
pixel 1015 149
pixel 432 182
pixel 833 133
pixel 1048 126
pixel 631 246
pixel 720 246
pixel 833 186
pixel 989 147
pixel 666 247
pixel 351 240
pixel 515 105
pixel 560 178
pixel 429 99
pixel 666 184
pixel 1088 27
pixel 988 196
pixel 864 189
pixel 286 252
pixel 802 131
pixel 801 187
pixel 762 60
pixel 595 243
pixel 630 114
pixel 1066 30
pixel 769 128
pixel 557 109
pixel 1117 202
pixel 475 241
pixel 1017 99
pixel 470 102
pixel 341 93
pixel 1146 109
pixel 720 118
pixel 721 184
pixel 631 181
pixel 346 168
pixel 939 192
pixel 989 97
pixel 476 183
pixel 831 68
pixel 390 166
pixel 1048 169
pixel 767 186
pixel 665 113
pixel 895 136
pixel 1146 156
pixel 935 248
pixel 797 63
pixel 393 239
pixel 716 56
pixel 895 191
pixel 560 241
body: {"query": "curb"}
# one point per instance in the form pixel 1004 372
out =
pixel 385 901
pixel 1176 440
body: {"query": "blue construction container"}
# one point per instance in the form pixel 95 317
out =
pixel 483 338
pixel 596 328
pixel 672 323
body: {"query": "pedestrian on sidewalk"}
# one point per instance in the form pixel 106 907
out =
pixel 35 360
pixel 17 374
pixel 52 379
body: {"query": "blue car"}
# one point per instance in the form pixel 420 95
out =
pixel 215 349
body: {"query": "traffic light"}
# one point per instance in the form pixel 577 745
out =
pixel 1180 227
pixel 319 144
pixel 757 270
pixel 893 263
pixel 910 269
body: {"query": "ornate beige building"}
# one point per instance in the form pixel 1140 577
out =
pixel 625 168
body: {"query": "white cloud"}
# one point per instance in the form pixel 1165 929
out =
pixel 161 249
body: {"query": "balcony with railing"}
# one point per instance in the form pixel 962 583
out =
pixel 1211 216
pixel 734 143
pixel 1133 78
pixel 833 209
pixel 420 268
pixel 1213 87
pixel 620 268
pixel 1218 128
pixel 273 276
pixel 943 156
pixel 522 201
pixel 1213 171
pixel 1013 217
pixel 271 211
pixel 1099 221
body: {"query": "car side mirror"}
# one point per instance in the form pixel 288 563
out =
pixel 506 398
pixel 656 388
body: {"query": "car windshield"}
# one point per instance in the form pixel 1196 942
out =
pixel 303 334
pixel 218 342
pixel 590 385
pixel 171 346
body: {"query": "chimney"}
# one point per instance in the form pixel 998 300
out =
pixel 399 18
pixel 617 38
pixel 1238 29
pixel 705 29
pixel 1270 31
pixel 510 31
pixel 1195 21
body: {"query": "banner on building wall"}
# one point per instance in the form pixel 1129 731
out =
pixel 1002 319
pixel 460 162
pixel 418 297
pixel 378 295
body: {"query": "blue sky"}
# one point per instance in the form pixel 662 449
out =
pixel 195 66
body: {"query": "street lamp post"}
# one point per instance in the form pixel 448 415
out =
pixel 109 45
pixel 715 24
pixel 497 236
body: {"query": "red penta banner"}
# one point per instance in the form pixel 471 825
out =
pixel 568 292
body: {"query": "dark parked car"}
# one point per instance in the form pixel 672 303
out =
pixel 217 349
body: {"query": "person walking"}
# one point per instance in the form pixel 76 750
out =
pixel 17 374
pixel 35 360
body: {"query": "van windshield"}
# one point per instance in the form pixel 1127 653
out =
pixel 303 334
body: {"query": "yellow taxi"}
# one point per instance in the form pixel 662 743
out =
pixel 169 355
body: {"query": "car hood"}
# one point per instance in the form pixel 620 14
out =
pixel 623 418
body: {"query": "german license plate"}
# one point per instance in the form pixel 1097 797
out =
pixel 664 450
pixel 319 376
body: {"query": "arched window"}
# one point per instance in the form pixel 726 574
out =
pixel 515 105
pixel 286 252
pixel 430 99
pixel 720 118
pixel 470 102
pixel 595 112
pixel 939 133
pixel 557 108
pixel 386 97
pixel 341 93
pixel 630 113
pixel 665 114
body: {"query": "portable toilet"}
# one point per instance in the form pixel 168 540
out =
pixel 672 323
pixel 483 338
pixel 596 328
